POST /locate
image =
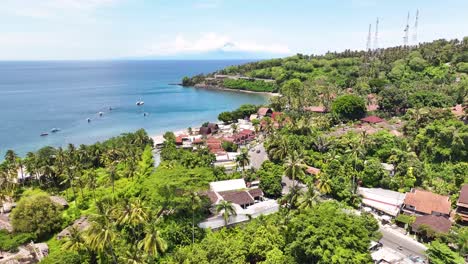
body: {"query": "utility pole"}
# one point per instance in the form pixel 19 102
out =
pixel 415 29
pixel 368 44
pixel 376 36
pixel 405 38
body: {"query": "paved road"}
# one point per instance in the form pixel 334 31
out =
pixel 393 239
pixel 256 159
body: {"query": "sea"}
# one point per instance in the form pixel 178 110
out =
pixel 36 97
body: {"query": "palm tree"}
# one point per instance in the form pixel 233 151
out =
pixel 235 128
pixel 111 158
pixel 101 234
pixel 196 201
pixel 323 183
pixel 228 210
pixel 294 166
pixel 243 159
pixel 152 244
pixel 279 148
pixel 310 198
pixel 75 241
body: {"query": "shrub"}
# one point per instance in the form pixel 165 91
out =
pixel 349 107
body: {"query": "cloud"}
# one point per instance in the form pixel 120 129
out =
pixel 212 42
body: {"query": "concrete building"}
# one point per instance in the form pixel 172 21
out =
pixel 385 201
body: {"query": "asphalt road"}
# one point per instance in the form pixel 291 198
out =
pixel 393 240
pixel 256 159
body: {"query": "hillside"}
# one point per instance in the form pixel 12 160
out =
pixel 429 74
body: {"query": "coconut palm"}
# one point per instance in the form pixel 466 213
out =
pixel 101 233
pixel 132 214
pixel 111 158
pixel 75 241
pixel 279 148
pixel 310 198
pixel 152 244
pixel 235 128
pixel 196 202
pixel 243 159
pixel 227 208
pixel 323 183
pixel 294 166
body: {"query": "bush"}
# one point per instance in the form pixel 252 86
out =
pixel 38 215
pixel 11 242
pixel 229 146
pixel 255 86
pixel 68 257
pixel 349 107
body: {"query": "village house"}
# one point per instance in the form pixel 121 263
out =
pixel 316 109
pixel 419 202
pixel 247 202
pixel 438 224
pixel 264 111
pixel 384 201
pixel 80 225
pixel 462 203
pixel 312 170
pixel 372 119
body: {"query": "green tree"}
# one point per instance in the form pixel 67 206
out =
pixel 349 107
pixel 227 208
pixel 439 253
pixel 37 214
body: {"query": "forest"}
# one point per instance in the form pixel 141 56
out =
pixel 139 213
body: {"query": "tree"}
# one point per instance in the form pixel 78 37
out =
pixel 310 198
pixel 323 183
pixel 226 117
pixel 37 214
pixel 243 159
pixel 349 107
pixel 152 244
pixel 294 167
pixel 440 253
pixel 227 208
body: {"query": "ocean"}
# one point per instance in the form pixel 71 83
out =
pixel 38 96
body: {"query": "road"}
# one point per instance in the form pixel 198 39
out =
pixel 393 239
pixel 256 159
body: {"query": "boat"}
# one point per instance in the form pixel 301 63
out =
pixel 44 134
pixel 53 130
pixel 100 113
pixel 140 102
pixel 88 119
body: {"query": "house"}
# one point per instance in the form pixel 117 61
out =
pixel 242 198
pixel 214 127
pixel 264 111
pixel 439 224
pixel 244 137
pixel 384 201
pixel 372 120
pixel 253 117
pixel 420 202
pixel 462 203
pixel 390 168
pixel 227 185
pixel 59 200
pixel 80 224
pixel 205 131
pixel 312 170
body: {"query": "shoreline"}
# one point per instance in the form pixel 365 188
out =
pixel 220 88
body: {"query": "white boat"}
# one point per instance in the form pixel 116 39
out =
pixel 53 130
pixel 140 102
pixel 100 113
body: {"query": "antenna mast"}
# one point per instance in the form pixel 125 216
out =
pixel 376 36
pixel 415 30
pixel 368 44
pixel 405 38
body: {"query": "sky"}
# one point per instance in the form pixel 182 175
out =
pixel 177 29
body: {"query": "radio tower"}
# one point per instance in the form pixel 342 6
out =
pixel 368 44
pixel 376 36
pixel 415 30
pixel 405 38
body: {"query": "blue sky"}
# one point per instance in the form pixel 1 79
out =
pixel 108 29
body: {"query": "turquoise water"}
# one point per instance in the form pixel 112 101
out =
pixel 38 96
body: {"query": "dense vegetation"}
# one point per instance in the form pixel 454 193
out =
pixel 255 86
pixel 142 214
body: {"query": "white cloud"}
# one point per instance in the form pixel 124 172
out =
pixel 212 42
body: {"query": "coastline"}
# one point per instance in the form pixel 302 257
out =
pixel 220 88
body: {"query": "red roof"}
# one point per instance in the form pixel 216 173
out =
pixel 263 111
pixel 439 224
pixel 312 170
pixel 463 195
pixel 428 202
pixel 198 141
pixel 372 119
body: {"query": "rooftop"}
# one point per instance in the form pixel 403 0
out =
pixel 463 199
pixel 383 200
pixel 428 202
pixel 312 170
pixel 228 185
pixel 372 119
pixel 237 197
pixel 437 223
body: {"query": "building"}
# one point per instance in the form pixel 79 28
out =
pixel 390 168
pixel 264 111
pixel 316 109
pixel 462 203
pixel 384 201
pixel 439 224
pixel 420 202
pixel 372 119
pixel 227 185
